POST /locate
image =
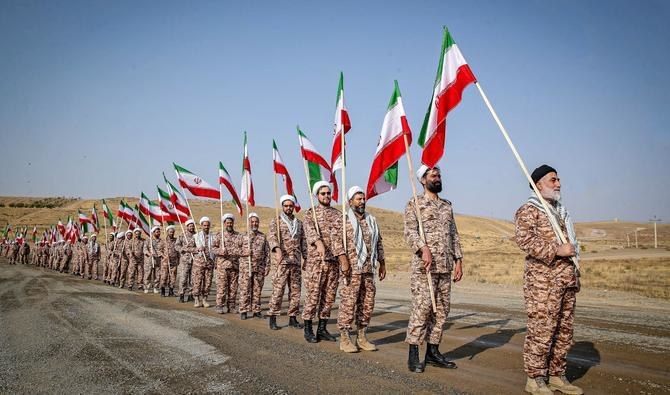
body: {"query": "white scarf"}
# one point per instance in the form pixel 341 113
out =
pixel 291 224
pixel 560 212
pixel 200 242
pixel 361 248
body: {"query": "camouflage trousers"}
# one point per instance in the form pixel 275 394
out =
pixel 250 291
pixel 226 287
pixel 135 274
pixel 74 265
pixel 202 279
pixel 106 270
pixel 423 323
pixel 64 264
pixel 551 315
pixel 321 284
pixel 286 275
pixel 90 269
pixel 184 278
pixel 168 275
pixel 151 273
pixel 357 300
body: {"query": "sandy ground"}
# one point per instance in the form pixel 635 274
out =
pixel 61 334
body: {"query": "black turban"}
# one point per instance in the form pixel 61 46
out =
pixel 541 172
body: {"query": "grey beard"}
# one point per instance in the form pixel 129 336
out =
pixel 360 210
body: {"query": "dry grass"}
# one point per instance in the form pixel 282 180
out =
pixel 491 256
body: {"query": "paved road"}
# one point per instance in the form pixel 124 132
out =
pixel 61 334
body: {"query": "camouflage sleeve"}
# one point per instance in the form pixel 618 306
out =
pixel 244 250
pixel 187 246
pixel 217 247
pixel 266 253
pixel 311 235
pixel 303 246
pixel 529 239
pixel 456 240
pixel 381 256
pixel 273 242
pixel 412 236
pixel 146 248
pixel 337 243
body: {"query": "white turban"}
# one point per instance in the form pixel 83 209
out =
pixel 190 221
pixel 354 190
pixel 94 235
pixel 228 216
pixel 84 237
pixel 254 215
pixel 423 170
pixel 320 184
pixel 285 198
pixel 129 232
pixel 156 227
pixel 119 235
pixel 203 220
pixel 138 230
pixel 169 227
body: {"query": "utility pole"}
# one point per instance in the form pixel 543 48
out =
pixel 636 237
pixel 655 221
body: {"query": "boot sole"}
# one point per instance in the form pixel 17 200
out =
pixel 567 392
pixel 439 365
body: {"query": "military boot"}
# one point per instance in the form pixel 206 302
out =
pixel 345 342
pixel 180 299
pixel 293 322
pixel 435 358
pixel 309 333
pixel 163 292
pixel 171 293
pixel 413 362
pixel 537 386
pixel 243 316
pixel 155 290
pixel 561 383
pixel 273 323
pixel 146 290
pixel 197 302
pixel 218 309
pixel 322 333
pixel 362 340
pixel 204 302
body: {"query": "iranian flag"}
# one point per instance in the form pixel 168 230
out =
pixel 143 223
pixel 177 198
pixel 317 167
pixel 61 228
pixel 341 124
pixel 94 220
pixel 195 184
pixel 107 213
pixel 84 221
pixel 247 186
pixel 224 179
pixel 153 210
pixel 280 168
pixel 68 228
pixel 453 75
pixel 168 207
pixel 126 212
pixel 34 233
pixel 391 146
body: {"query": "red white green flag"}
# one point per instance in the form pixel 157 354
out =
pixel 247 186
pixel 168 207
pixel 107 213
pixel 280 168
pixel 84 221
pixel 195 184
pixel 341 124
pixel 177 198
pixel 391 146
pixel 94 220
pixel 453 76
pixel 317 167
pixel 61 228
pixel 34 233
pixel 225 179
pixel 143 223
pixel 126 212
pixel 152 209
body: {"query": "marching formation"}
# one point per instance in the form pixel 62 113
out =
pixel 164 250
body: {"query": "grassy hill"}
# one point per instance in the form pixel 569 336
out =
pixel 491 256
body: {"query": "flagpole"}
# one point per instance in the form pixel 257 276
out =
pixel 418 217
pixel 552 220
pixel 248 235
pixel 311 201
pixel 194 225
pixel 277 209
pixel 181 225
pixel 223 245
pixel 344 191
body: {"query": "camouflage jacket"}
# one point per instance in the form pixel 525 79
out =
pixel 329 220
pixel 535 236
pixel 170 253
pixel 153 248
pixel 260 253
pixel 367 239
pixel 234 247
pixel 441 234
pixel 201 258
pixel 292 248
pixel 181 244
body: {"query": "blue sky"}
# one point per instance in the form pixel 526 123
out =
pixel 98 97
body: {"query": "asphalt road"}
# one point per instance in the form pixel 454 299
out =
pixel 62 334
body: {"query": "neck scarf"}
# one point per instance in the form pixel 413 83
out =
pixel 291 224
pixel 560 213
pixel 361 248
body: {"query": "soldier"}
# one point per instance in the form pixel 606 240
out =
pixel 550 284
pixel 289 248
pixel 84 258
pixel 93 257
pixel 107 266
pixel 14 251
pixel 440 252
pixel 203 263
pixel 120 260
pixel 229 247
pixel 24 252
pixel 152 260
pixel 66 256
pixel 185 262
pixel 365 253
pixel 136 261
pixel 127 259
pixel 169 262
pixel 251 284
pixel 322 262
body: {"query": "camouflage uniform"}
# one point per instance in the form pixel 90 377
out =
pixel 322 275
pixel 66 256
pixel 203 264
pixel 359 296
pixel 287 272
pixel 152 248
pixel 227 267
pixel 84 261
pixel 136 263
pixel 14 253
pixel 120 268
pixel 445 246
pixel 107 266
pixel 549 289
pixel 169 263
pixel 24 251
pixel 252 285
pixel 185 263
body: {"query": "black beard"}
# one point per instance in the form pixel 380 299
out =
pixel 434 187
pixel 360 209
pixel 229 229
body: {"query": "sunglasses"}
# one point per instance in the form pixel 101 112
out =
pixel 324 193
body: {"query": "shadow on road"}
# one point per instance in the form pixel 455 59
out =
pixel 582 357
pixel 484 342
